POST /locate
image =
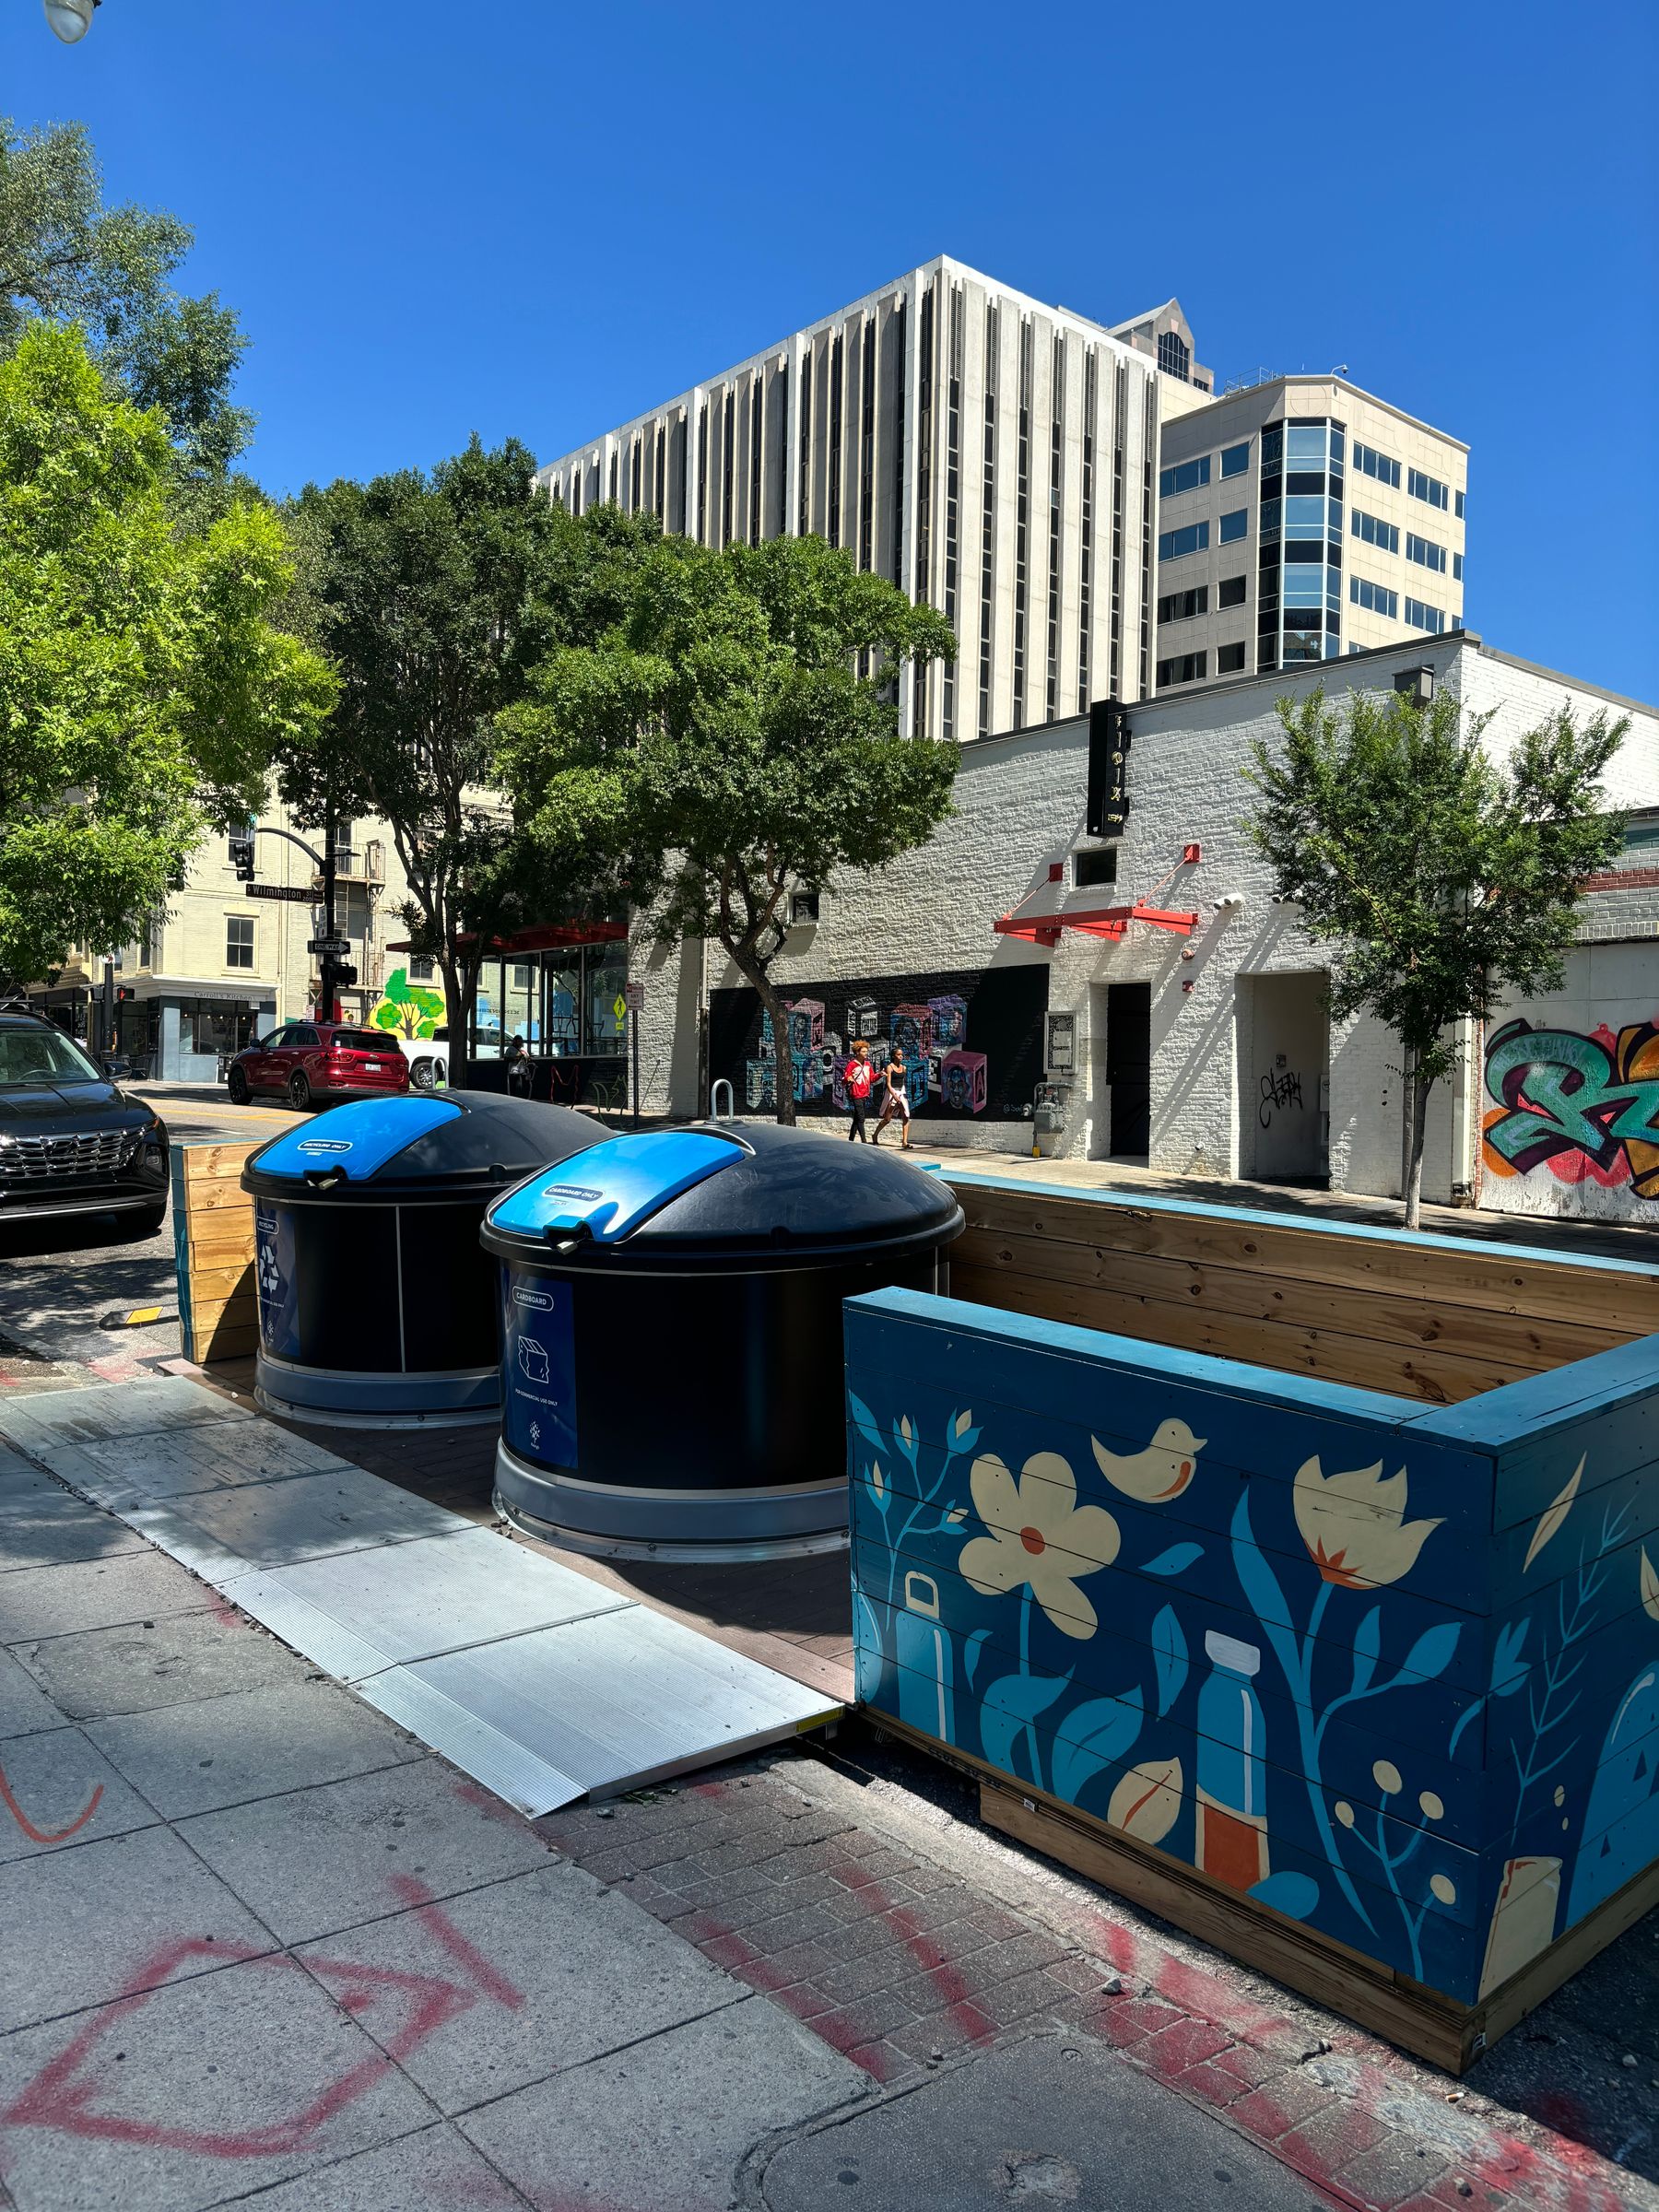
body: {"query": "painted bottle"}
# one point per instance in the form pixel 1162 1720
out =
pixel 921 1646
pixel 1231 1843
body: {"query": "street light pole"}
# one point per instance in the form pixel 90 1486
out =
pixel 327 962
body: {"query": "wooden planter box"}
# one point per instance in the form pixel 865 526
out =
pixel 1362 1688
pixel 213 1251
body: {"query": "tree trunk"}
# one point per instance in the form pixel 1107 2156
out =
pixel 1415 1126
pixel 455 1018
pixel 772 1005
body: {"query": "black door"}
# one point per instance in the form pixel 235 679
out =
pixel 1129 1067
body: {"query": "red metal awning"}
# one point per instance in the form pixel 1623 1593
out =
pixel 1110 922
pixel 543 936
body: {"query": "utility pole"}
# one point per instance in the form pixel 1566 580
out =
pixel 327 962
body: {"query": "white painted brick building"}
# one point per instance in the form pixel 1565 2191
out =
pixel 1205 1054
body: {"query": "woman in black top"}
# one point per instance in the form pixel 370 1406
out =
pixel 896 1105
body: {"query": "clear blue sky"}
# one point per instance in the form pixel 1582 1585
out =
pixel 442 215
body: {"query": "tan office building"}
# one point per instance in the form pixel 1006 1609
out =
pixel 1297 519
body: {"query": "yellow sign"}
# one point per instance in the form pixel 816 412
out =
pixel 619 1008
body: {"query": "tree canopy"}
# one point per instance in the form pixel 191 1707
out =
pixel 435 596
pixel 733 735
pixel 1442 878
pixel 67 258
pixel 142 684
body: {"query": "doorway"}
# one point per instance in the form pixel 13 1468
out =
pixel 1284 1099
pixel 1129 1069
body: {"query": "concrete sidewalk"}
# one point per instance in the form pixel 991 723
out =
pixel 261 1945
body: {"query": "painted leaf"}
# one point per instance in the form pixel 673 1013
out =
pixel 1368 1644
pixel 1007 1706
pixel 1431 1653
pixel 1092 1738
pixel 1176 1560
pixel 868 1627
pixel 1169 1657
pixel 1294 1895
pixel 1648 1581
pixel 1146 1802
pixel 1509 1669
pixel 1258 1580
pixel 964 1421
pixel 864 1420
pixel 970 1654
pixel 878 1483
pixel 1551 1520
pixel 957 1512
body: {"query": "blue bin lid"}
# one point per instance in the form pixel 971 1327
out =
pixel 709 1199
pixel 616 1186
pixel 358 1138
pixel 467 1143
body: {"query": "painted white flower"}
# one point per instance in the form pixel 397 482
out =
pixel 1039 1537
pixel 1355 1527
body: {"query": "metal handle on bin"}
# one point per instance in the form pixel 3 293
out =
pixel 325 1178
pixel 720 1084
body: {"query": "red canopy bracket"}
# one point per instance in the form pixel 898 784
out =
pixel 1110 922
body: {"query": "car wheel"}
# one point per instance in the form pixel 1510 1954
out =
pixel 236 1083
pixel 150 1221
pixel 420 1075
pixel 300 1090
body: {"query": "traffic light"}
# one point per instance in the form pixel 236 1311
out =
pixel 345 975
pixel 125 991
pixel 242 854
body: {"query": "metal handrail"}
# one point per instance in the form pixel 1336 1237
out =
pixel 720 1084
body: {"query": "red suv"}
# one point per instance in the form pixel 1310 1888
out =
pixel 314 1063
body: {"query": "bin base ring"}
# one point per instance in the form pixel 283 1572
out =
pixel 711 1528
pixel 342 1398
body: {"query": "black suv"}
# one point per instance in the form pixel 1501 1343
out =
pixel 71 1141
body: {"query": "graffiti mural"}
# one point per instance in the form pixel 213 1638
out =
pixel 1273 1638
pixel 1573 1114
pixel 972 1041
pixel 407 1010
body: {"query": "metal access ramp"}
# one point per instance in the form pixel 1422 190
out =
pixel 539 1683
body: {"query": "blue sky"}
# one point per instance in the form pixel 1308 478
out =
pixel 438 215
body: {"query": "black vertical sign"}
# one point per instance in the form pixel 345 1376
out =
pixel 1108 809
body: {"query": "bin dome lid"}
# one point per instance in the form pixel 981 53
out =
pixel 679 1199
pixel 416 1148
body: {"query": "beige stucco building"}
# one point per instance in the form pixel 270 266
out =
pixel 229 960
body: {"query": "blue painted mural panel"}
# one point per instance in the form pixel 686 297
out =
pixel 1276 1629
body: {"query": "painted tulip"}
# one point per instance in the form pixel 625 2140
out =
pixel 1355 1527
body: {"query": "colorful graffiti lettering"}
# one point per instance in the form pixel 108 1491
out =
pixel 1579 1105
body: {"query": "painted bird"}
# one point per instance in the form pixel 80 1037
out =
pixel 1162 1471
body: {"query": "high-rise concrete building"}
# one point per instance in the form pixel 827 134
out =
pixel 1067 493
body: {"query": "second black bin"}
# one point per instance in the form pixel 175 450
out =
pixel 376 1306
pixel 672 1364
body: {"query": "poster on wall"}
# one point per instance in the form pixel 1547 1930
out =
pixel 972 1041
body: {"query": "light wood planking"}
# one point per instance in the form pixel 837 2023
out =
pixel 213 1251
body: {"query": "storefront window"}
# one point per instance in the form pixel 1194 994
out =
pixel 562 1003
pixel 212 1027
pixel 519 1014
pixel 605 970
pixel 487 1013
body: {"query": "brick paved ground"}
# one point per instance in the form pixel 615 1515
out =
pixel 910 1943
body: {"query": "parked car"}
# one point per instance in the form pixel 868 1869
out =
pixel 429 1059
pixel 70 1140
pixel 316 1062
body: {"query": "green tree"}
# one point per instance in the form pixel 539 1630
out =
pixel 1443 878
pixel 142 686
pixel 733 736
pixel 435 596
pixel 67 257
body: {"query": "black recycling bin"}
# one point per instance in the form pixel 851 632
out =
pixel 377 1308
pixel 672 1381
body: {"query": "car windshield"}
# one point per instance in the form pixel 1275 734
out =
pixel 29 1055
pixel 362 1040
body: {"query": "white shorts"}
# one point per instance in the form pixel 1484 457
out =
pixel 896 1106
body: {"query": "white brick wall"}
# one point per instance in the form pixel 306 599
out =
pixel 1020 808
